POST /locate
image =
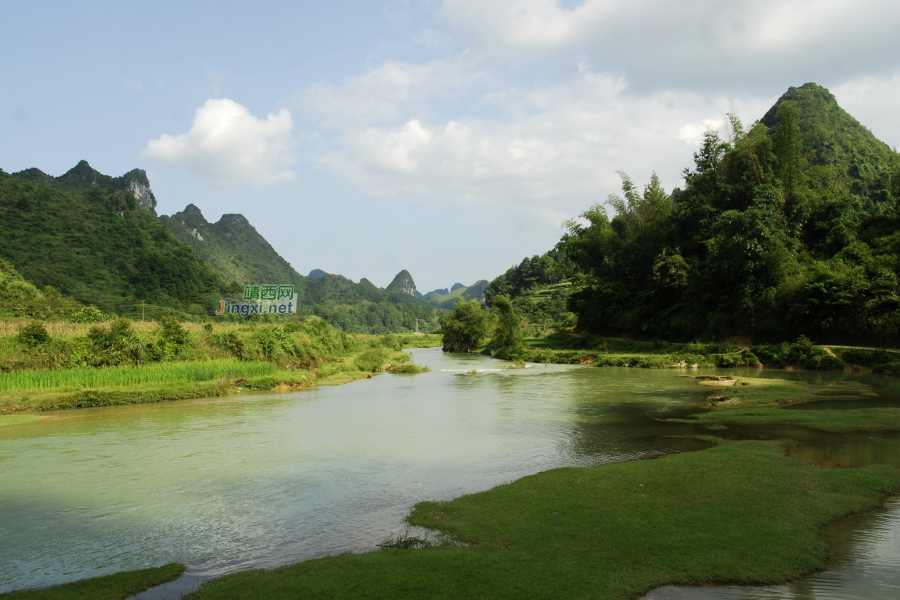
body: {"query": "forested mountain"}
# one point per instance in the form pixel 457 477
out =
pixel 232 246
pixel 99 246
pixel 450 298
pixel 787 227
pixel 88 236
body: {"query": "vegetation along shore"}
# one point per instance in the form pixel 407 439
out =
pixel 121 363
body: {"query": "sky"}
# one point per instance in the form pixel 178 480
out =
pixel 449 138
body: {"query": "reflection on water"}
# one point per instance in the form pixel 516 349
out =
pixel 264 479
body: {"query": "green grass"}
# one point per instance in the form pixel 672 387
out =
pixel 110 587
pixel 167 373
pixel 739 512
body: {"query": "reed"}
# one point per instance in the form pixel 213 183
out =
pixel 167 373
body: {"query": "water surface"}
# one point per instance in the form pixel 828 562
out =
pixel 264 479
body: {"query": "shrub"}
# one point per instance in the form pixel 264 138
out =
pixel 371 361
pixel 408 369
pixel 91 314
pixel 34 335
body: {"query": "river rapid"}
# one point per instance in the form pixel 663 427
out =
pixel 263 479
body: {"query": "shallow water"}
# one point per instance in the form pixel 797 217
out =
pixel 265 479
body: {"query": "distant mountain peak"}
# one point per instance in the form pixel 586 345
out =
pixel 403 282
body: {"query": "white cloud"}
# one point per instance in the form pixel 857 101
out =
pixel 227 146
pixel 385 92
pixel 554 150
pixel 693 43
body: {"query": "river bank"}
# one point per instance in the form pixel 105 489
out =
pixel 115 364
pixel 725 513
pixel 588 349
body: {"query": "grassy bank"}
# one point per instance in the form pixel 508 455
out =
pixel 117 586
pixel 752 401
pixel 117 363
pixel 739 512
pixel 588 349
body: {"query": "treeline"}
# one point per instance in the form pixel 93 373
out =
pixel 787 228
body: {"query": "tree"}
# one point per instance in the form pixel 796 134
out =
pixel 506 339
pixel 788 145
pixel 464 327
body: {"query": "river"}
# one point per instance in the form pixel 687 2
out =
pixel 264 479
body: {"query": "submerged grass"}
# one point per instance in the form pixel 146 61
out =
pixel 753 401
pixel 739 512
pixel 117 586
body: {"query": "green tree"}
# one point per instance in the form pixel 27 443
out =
pixel 788 145
pixel 506 339
pixel 464 327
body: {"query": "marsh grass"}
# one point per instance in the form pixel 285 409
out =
pixel 168 373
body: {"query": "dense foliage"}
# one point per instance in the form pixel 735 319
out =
pixel 531 274
pixel 507 336
pixel 18 298
pixel 788 228
pixel 99 247
pixel 465 327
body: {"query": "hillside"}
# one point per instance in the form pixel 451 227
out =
pixel 232 246
pixel 451 298
pixel 19 298
pixel 100 246
pixel 788 227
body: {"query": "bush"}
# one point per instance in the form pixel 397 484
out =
pixel 371 361
pixel 727 360
pixel 91 314
pixel 750 359
pixel 407 369
pixel 34 335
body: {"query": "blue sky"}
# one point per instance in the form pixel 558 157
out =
pixel 450 138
